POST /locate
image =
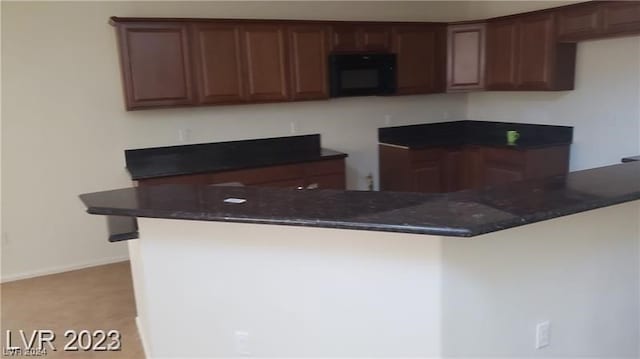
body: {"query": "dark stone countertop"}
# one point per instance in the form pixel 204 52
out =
pixel 459 214
pixel 631 159
pixel 225 156
pixel 483 133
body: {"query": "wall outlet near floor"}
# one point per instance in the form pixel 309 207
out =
pixel 242 343
pixel 542 334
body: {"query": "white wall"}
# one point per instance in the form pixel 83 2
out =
pixel 604 108
pixel 299 292
pixel 579 272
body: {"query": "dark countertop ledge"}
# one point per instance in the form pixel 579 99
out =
pixel 200 158
pixel 459 214
pixel 199 166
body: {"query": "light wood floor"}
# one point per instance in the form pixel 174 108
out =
pixel 93 298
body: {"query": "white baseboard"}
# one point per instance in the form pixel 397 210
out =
pixel 143 340
pixel 61 269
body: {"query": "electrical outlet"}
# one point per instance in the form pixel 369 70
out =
pixel 542 334
pixel 242 343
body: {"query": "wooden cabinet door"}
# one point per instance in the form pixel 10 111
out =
pixel 465 57
pixel 473 167
pixel 536 51
pixel 345 38
pixel 580 22
pixel 502 43
pixel 394 167
pixel 325 174
pixel 219 63
pixel 375 38
pixel 496 174
pixel 266 59
pixel 427 178
pixel 352 37
pixel 453 170
pixel 621 17
pixel 308 47
pixel 334 181
pixel 503 166
pixel 155 64
pixel 426 173
pixel 420 58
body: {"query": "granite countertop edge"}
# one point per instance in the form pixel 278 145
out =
pixel 467 213
pixel 380 227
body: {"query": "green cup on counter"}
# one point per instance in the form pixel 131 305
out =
pixel 512 137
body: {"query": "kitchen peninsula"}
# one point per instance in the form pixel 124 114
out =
pixel 317 273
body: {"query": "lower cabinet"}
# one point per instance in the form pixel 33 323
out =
pixel 450 169
pixel 328 174
pixel 427 171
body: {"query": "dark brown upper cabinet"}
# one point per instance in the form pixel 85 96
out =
pixel 219 63
pixel 168 62
pixel 421 58
pixel 156 64
pixel 598 19
pixel 366 37
pixel 501 60
pixel 309 50
pixel 543 63
pixel 267 62
pixel 580 22
pixel 621 17
pixel 376 38
pixel 465 57
pixel 523 54
pixel 536 47
pixel 345 38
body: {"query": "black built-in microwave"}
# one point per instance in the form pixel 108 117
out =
pixel 362 74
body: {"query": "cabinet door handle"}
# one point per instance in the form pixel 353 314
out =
pixel 313 186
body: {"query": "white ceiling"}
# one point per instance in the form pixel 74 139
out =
pixel 389 10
